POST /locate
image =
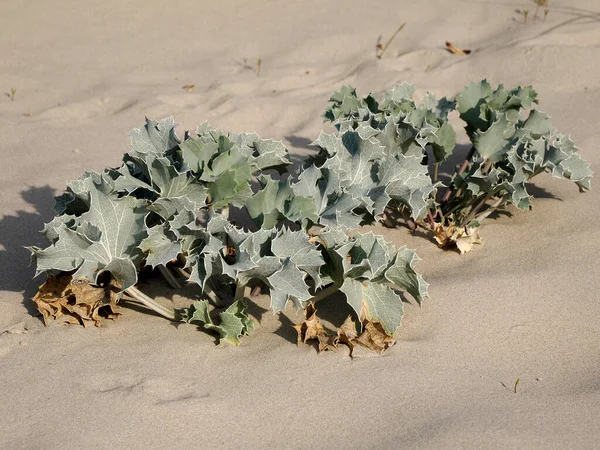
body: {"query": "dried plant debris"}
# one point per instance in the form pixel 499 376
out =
pixel 464 238
pixel 375 338
pixel 381 48
pixel 455 50
pixel 313 329
pixel 372 335
pixel 65 300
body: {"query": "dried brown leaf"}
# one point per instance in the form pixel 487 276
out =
pixel 66 301
pixel 455 50
pixel 463 238
pixel 470 238
pixel 443 235
pixel 313 329
pixel 375 338
pixel 346 334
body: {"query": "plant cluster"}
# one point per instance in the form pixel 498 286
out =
pixel 168 206
pixel 171 205
pixel 511 142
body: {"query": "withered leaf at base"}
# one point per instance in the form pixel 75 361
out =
pixel 463 238
pixel 66 301
pixel 313 329
pixel 346 334
pixel 373 336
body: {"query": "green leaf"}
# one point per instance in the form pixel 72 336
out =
pixel 375 302
pixel 479 183
pixel 403 274
pixel 365 256
pixel 408 182
pixel 288 284
pixel 197 153
pixel 443 142
pixel 161 178
pixel 383 305
pixel 155 138
pixel 276 201
pixel 350 156
pixel 225 163
pixel 232 187
pixel 234 321
pixel 518 195
pixel 266 153
pixel 400 92
pixel 334 206
pixel 103 239
pixel 52 229
pixel 469 103
pixel 76 199
pixel 564 162
pixel 495 142
pixel 537 124
pixel 161 246
pixel 296 246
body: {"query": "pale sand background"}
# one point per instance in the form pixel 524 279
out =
pixel 523 307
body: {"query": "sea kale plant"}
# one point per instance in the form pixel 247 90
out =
pixel 511 142
pixel 222 211
pixel 169 206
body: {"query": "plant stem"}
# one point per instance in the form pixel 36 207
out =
pixel 184 273
pixel 208 290
pixel 239 291
pixel 168 275
pixel 436 168
pixel 324 293
pixel 460 204
pixel 138 295
pixel 461 170
pixel 490 210
pixel 488 165
pixel 431 219
pixel 256 291
pixel 476 209
pixel 387 44
pixel 212 295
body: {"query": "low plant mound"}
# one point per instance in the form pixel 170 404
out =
pixel 296 235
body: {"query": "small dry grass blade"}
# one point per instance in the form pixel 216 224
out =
pixel 455 50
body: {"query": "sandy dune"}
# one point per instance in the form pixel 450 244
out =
pixel 524 307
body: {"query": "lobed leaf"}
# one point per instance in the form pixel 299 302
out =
pixel 105 238
pixel 234 321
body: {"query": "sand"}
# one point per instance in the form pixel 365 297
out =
pixel 524 307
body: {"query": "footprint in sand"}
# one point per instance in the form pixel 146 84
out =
pixel 158 390
pixel 88 109
pixel 12 337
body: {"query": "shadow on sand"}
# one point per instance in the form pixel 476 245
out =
pixel 17 232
